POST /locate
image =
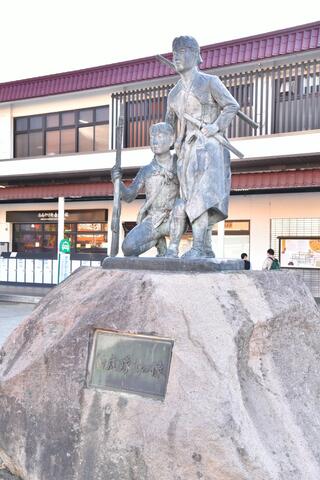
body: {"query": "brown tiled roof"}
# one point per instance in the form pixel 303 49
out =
pixel 240 182
pixel 258 47
pixel 275 180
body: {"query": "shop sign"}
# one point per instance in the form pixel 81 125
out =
pixel 299 252
pixel 43 216
pixel 64 264
pixel 51 216
pixel 64 245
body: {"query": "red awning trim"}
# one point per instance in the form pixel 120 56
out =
pixel 276 180
pixel 54 191
pixel 240 181
pixel 255 48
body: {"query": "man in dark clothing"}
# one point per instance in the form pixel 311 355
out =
pixel 247 264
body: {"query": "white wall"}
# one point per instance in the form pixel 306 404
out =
pixel 77 162
pixel 59 103
pixel 6 132
pixel 259 209
pixel 265 146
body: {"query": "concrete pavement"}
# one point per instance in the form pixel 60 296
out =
pixel 11 314
pixel 22 293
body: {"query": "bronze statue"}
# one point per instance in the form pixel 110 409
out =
pixel 160 215
pixel 200 109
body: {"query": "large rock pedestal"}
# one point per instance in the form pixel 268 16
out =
pixel 242 400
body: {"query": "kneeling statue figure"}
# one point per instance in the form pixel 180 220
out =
pixel 162 214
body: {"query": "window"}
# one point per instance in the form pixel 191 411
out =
pixel 140 114
pixel 86 139
pixel 29 136
pixel 236 238
pixel 85 130
pixel 142 109
pixel 243 93
pixel 42 237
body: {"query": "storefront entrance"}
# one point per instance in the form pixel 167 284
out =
pixel 37 231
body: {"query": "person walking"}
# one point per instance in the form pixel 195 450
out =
pixel 271 263
pixel 247 264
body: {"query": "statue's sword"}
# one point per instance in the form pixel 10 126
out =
pixel 224 142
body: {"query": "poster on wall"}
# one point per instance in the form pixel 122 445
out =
pixel 300 252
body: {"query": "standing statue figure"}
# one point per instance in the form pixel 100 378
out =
pixel 200 109
pixel 160 215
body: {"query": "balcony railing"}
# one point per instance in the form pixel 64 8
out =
pixel 280 99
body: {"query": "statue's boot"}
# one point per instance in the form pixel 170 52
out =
pixel 199 234
pixel 161 247
pixel 194 252
pixel 172 252
pixel 177 228
pixel 209 253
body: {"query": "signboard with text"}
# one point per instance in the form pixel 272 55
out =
pixel 64 263
pixel 51 216
pixel 130 363
pixel 303 252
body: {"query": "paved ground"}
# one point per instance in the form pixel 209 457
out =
pixel 11 315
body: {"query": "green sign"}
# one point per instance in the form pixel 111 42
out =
pixel 64 246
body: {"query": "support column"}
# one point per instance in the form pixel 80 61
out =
pixel 60 220
pixel 220 247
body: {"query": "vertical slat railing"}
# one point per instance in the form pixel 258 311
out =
pixel 281 99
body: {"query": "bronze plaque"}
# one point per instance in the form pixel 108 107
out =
pixel 130 363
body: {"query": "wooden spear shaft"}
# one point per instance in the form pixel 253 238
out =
pixel 116 211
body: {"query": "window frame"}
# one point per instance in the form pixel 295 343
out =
pixel 77 126
pixel 74 231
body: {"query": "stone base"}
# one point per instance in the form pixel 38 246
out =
pixel 199 265
pixel 242 399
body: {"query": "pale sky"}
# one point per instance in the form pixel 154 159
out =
pixel 40 37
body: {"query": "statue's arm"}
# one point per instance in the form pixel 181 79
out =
pixel 128 194
pixel 229 105
pixel 171 116
pixel 178 127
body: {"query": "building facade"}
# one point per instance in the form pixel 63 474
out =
pixel 57 141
